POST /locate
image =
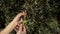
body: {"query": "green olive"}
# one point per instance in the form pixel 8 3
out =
pixel 25 21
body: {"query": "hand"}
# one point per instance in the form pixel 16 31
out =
pixel 13 24
pixel 18 17
pixel 21 29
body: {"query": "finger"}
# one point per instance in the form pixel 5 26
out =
pixel 21 21
pixel 18 16
pixel 20 28
pixel 24 28
pixel 19 25
pixel 16 30
pixel 24 12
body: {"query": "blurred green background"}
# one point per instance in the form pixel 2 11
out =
pixel 43 16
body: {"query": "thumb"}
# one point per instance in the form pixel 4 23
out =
pixel 18 16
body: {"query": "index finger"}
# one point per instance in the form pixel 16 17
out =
pixel 18 16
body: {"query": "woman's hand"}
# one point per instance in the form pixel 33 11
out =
pixel 18 17
pixel 13 24
pixel 21 29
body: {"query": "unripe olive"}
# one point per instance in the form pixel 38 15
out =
pixel 25 21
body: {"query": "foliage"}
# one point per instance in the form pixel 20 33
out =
pixel 42 15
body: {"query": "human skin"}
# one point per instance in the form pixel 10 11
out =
pixel 21 29
pixel 13 24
